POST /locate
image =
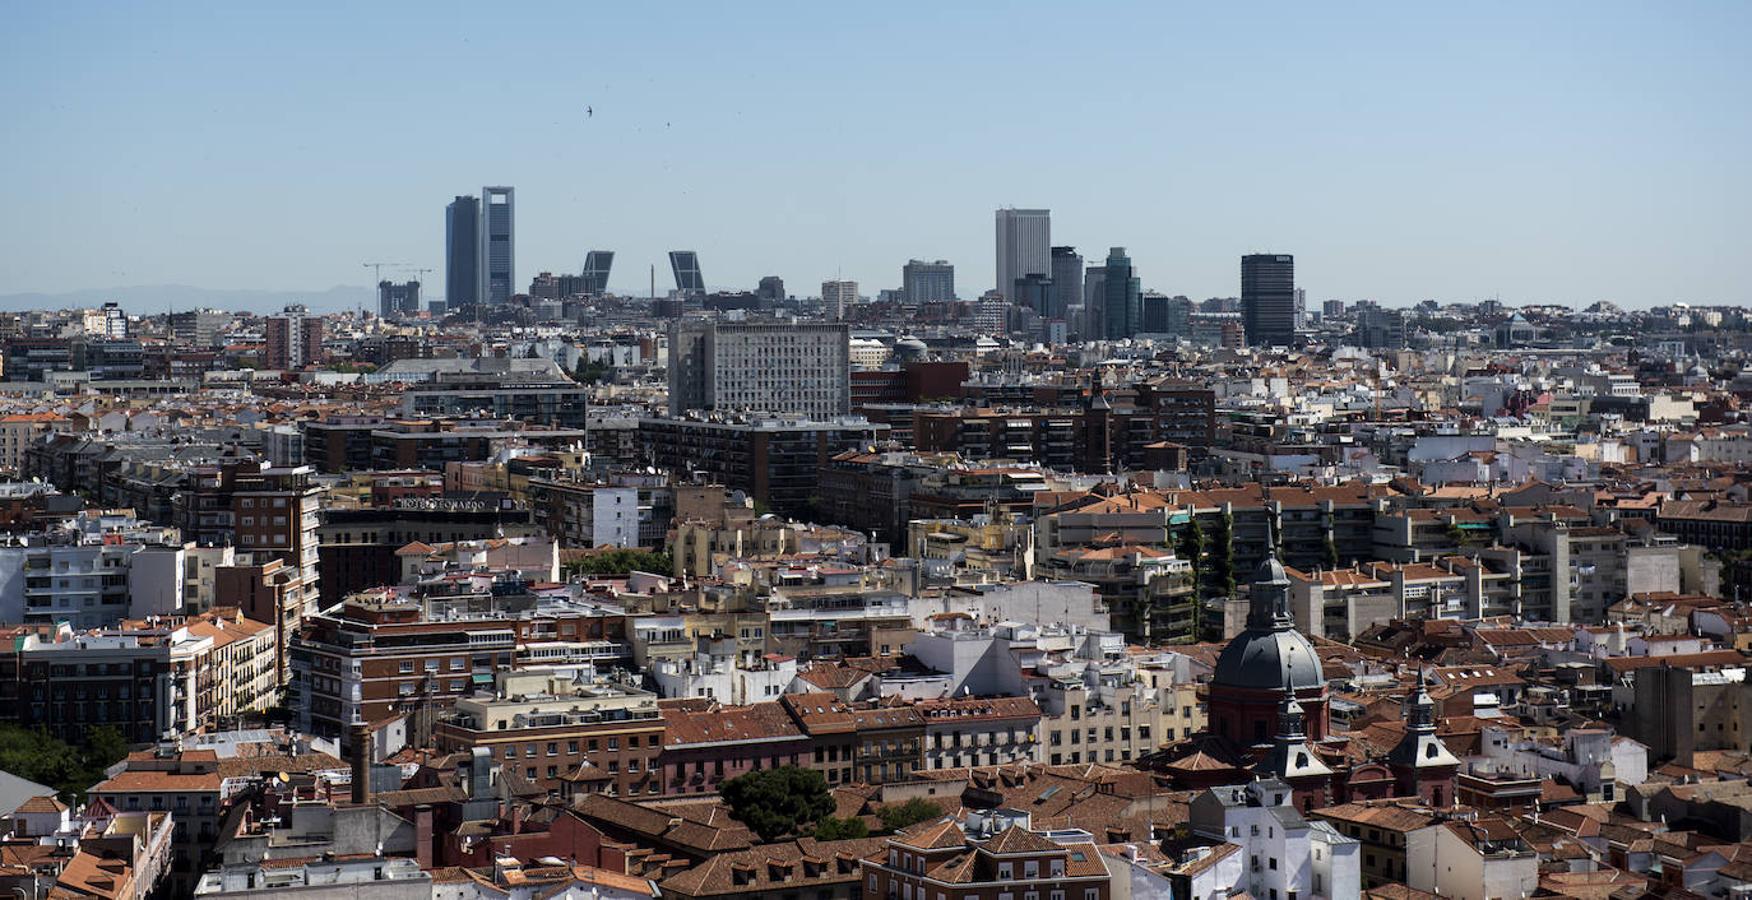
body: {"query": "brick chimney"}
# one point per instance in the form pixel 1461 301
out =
pixel 361 756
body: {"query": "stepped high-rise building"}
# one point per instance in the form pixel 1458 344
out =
pixel 1123 297
pixel 1024 246
pixel 1268 298
pixel 462 252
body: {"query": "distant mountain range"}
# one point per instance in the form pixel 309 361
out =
pixel 153 299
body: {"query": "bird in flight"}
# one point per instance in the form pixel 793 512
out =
pixel 589 112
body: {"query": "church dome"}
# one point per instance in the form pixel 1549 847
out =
pixel 1269 660
pixel 1271 654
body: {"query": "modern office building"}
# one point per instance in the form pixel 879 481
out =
pixel 778 462
pixel 1094 303
pixel 498 261
pixel 686 266
pixel 928 282
pixel 462 252
pixel 771 289
pixel 1122 297
pixel 1166 315
pixel 1067 282
pixel 199 327
pixel 396 301
pixel 774 367
pixel 1024 245
pixel 838 297
pixel 596 266
pixel 1034 291
pixel 1379 327
pixel 294 338
pixel 1268 298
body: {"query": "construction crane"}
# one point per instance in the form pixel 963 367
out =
pixel 376 279
pixel 420 279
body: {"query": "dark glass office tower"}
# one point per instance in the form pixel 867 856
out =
pixel 1034 291
pixel 1067 282
pixel 1268 299
pixel 686 266
pixel 596 266
pixel 1124 295
pixel 462 226
pixel 498 245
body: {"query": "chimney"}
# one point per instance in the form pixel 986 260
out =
pixel 423 836
pixel 361 735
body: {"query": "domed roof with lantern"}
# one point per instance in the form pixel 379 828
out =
pixel 1270 654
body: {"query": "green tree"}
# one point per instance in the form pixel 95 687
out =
pixel 620 562
pixel 778 802
pixel 1223 556
pixel 896 816
pixel 1329 552
pixel 34 754
pixel 1192 547
pixel 588 372
pixel 833 828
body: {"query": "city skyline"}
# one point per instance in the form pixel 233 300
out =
pixel 1572 158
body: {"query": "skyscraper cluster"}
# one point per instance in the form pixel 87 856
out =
pixel 480 250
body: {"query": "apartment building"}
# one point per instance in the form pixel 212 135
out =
pixel 961 732
pixel 780 368
pixel 376 657
pixel 777 462
pixel 1004 858
pixel 143 682
pixel 596 733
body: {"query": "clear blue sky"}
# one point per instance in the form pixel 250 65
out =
pixel 1547 151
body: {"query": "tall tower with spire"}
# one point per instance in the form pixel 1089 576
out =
pixel 1098 429
pixel 1422 765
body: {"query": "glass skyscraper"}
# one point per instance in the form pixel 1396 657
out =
pixel 498 275
pixel 1268 299
pixel 1067 282
pixel 1124 294
pixel 462 252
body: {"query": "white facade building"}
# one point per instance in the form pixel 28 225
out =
pixel 1282 853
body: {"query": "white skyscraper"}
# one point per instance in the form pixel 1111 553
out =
pixel 837 297
pixel 1024 246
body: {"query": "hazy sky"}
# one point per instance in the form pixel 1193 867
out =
pixel 1543 151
